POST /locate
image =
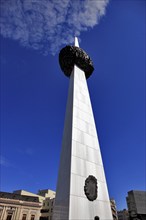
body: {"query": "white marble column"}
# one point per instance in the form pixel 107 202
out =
pixel 3 213
pixel 80 158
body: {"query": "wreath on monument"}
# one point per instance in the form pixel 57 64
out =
pixel 72 55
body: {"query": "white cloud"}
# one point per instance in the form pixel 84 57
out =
pixel 4 162
pixel 48 24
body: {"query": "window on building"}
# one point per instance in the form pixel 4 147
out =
pixel 32 217
pixel 24 217
pixel 9 217
pixel 44 210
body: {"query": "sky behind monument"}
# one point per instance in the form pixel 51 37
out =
pixel 47 24
pixel 34 94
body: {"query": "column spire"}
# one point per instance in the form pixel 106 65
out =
pixel 76 42
pixel 81 189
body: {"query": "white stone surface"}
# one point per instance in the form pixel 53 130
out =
pixel 76 42
pixel 80 158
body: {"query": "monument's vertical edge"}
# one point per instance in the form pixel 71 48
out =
pixel 82 192
pixel 61 208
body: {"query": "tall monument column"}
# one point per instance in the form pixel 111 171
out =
pixel 82 192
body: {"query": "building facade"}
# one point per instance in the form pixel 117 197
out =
pixel 24 205
pixel 19 207
pixel 114 209
pixel 48 204
pixel 47 209
pixel 123 215
pixel 136 203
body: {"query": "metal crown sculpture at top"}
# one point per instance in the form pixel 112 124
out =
pixel 73 55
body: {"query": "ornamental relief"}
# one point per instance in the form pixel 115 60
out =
pixel 90 188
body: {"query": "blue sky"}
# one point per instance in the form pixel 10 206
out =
pixel 34 94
